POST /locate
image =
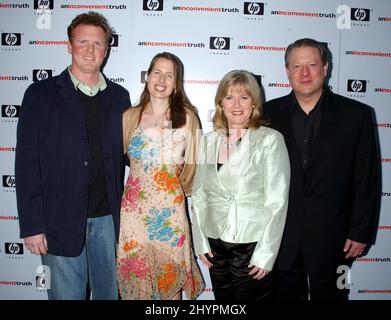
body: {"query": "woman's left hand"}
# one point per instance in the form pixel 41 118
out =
pixel 257 273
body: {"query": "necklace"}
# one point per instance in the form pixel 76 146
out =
pixel 229 145
pixel 158 120
pixel 157 125
pixel 234 143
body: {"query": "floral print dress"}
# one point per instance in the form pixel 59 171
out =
pixel 155 259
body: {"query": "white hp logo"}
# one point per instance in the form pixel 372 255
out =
pixel 42 75
pixel 11 39
pixel 43 4
pixel 219 43
pixel 356 85
pixel 10 111
pixel 10 181
pixel 360 14
pixel 13 248
pixel 153 5
pixel 253 8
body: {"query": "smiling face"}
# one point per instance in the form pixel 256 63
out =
pixel 161 79
pixel 88 48
pixel 306 72
pixel 237 107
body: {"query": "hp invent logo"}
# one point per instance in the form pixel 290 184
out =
pixel 153 5
pixel 10 39
pixel 41 74
pixel 360 14
pixel 9 111
pixel 253 8
pixel 43 4
pixel 357 85
pixel 9 181
pixel 13 248
pixel 219 43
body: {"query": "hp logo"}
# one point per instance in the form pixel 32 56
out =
pixel 153 5
pixel 360 14
pixel 253 8
pixel 219 43
pixel 357 85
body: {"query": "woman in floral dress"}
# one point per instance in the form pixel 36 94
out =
pixel 155 259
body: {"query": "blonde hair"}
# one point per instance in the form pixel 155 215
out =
pixel 247 82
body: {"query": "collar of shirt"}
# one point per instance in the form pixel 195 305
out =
pixel 317 109
pixel 85 88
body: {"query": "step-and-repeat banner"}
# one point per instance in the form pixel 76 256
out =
pixel 211 38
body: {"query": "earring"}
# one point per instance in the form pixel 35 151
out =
pixel 253 106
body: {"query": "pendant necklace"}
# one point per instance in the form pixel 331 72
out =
pixel 232 144
pixel 229 145
pixel 157 125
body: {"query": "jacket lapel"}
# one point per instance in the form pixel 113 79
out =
pixel 287 131
pixel 68 94
pixel 326 133
pixel 105 103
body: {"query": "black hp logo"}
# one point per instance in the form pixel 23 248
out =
pixel 9 181
pixel 359 14
pixel 153 5
pixel 113 41
pixel 10 111
pixel 253 8
pixel 41 74
pixel 219 43
pixel 13 248
pixel 357 85
pixel 43 4
pixel 10 39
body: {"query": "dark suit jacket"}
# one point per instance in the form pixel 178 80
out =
pixel 51 162
pixel 335 199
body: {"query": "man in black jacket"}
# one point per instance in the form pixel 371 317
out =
pixel 330 140
pixel 69 167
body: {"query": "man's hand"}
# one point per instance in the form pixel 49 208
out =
pixel 36 244
pixel 353 248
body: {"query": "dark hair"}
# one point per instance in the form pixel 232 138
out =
pixel 178 100
pixel 245 81
pixel 92 19
pixel 308 42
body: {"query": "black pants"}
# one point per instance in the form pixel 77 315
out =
pixel 307 283
pixel 229 274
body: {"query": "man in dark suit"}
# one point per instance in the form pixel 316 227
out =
pixel 330 140
pixel 69 167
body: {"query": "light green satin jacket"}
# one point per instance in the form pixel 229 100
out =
pixel 247 199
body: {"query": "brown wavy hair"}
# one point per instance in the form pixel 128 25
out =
pixel 178 100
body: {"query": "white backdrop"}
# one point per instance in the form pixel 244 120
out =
pixel 211 38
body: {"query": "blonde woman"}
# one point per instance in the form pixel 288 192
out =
pixel 240 193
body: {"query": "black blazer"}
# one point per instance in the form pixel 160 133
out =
pixel 335 199
pixel 51 161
